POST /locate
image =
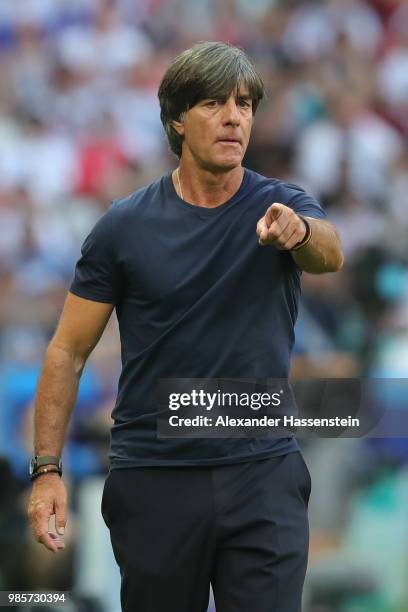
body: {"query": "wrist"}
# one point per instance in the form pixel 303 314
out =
pixel 307 236
pixel 44 462
pixel 49 472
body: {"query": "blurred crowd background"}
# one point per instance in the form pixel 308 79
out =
pixel 79 126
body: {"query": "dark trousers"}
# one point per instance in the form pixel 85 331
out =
pixel 242 527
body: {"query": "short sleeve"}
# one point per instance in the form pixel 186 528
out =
pixel 304 204
pixel 96 272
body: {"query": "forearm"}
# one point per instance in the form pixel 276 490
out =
pixel 55 398
pixel 323 253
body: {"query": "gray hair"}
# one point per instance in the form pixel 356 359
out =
pixel 206 70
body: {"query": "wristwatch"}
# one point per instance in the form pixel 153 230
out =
pixel 39 460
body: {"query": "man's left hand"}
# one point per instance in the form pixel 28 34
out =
pixel 280 227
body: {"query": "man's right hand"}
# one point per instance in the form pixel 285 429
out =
pixel 48 497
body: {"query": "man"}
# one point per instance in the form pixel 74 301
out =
pixel 203 267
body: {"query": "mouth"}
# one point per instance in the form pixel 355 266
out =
pixel 230 141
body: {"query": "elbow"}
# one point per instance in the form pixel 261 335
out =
pixel 62 357
pixel 79 365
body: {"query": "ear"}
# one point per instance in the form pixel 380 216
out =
pixel 179 127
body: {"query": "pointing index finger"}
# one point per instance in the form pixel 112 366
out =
pixel 273 213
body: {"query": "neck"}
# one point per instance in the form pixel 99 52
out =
pixel 206 188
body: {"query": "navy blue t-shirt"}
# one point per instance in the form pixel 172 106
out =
pixel 196 296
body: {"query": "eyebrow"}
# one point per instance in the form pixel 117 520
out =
pixel 243 96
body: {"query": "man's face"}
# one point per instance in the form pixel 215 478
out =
pixel 216 132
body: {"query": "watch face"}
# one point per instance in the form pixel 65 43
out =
pixel 32 465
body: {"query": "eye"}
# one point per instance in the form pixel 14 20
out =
pixel 245 103
pixel 211 103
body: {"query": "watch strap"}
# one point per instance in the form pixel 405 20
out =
pixel 45 471
pixel 41 460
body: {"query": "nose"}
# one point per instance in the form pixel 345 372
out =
pixel 231 112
